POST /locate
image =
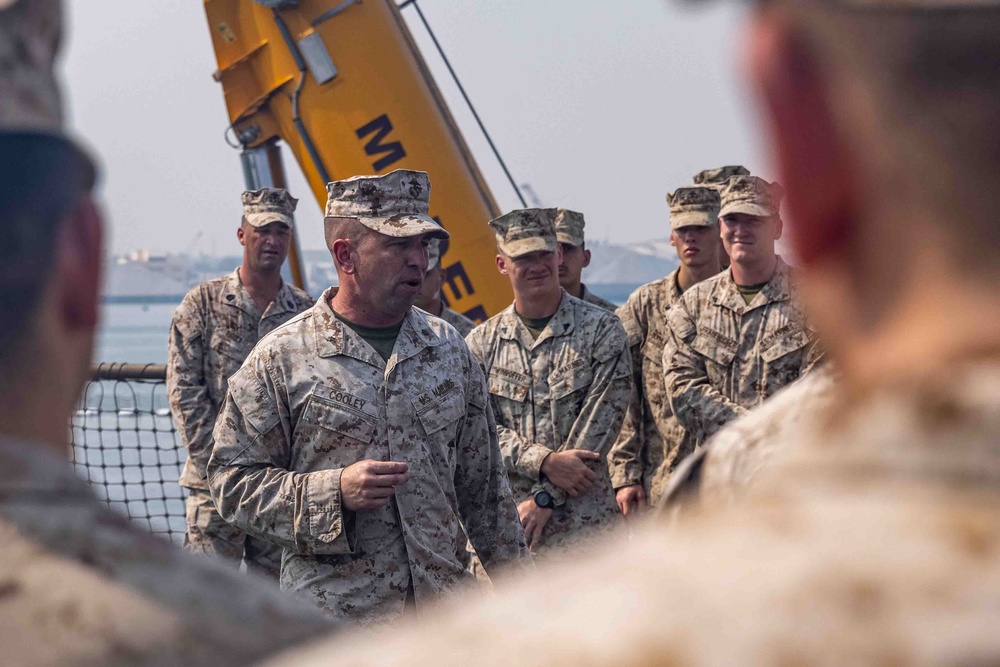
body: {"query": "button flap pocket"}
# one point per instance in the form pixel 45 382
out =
pixel 715 350
pixel 785 345
pixel 446 410
pixel 230 348
pixel 352 424
pixel 508 388
pixel 564 384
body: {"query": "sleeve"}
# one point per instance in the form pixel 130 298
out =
pixel 699 407
pixel 597 425
pixel 625 457
pixel 485 499
pixel 249 477
pixel 187 389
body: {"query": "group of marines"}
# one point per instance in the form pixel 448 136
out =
pixel 362 449
pixel 388 455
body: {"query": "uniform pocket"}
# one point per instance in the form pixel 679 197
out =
pixel 442 413
pixel 562 385
pixel 330 416
pixel 785 345
pixel 506 388
pixel 713 350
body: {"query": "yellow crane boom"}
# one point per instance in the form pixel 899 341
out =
pixel 343 84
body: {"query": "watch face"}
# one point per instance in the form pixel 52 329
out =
pixel 544 499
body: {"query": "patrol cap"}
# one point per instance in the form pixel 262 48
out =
pixel 751 195
pixel 696 206
pixel 396 204
pixel 569 227
pixel 30 103
pixel 433 254
pixel 526 230
pixel 720 175
pixel 262 207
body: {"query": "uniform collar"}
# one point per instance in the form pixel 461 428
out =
pixel 562 323
pixel 284 302
pixel 235 295
pixel 674 285
pixel 334 338
pixel 727 294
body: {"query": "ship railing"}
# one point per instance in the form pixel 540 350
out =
pixel 126 445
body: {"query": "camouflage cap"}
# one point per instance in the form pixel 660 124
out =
pixel 433 254
pixel 526 230
pixel 569 227
pixel 720 175
pixel 694 207
pixel 396 204
pixel 752 196
pixel 29 42
pixel 262 207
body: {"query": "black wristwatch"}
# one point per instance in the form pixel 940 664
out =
pixel 544 500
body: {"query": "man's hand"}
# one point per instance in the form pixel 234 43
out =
pixel 369 485
pixel 533 518
pixel 569 472
pixel 631 499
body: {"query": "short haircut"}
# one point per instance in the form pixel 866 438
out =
pixel 43 178
pixel 930 79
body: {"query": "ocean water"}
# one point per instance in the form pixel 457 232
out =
pixel 137 333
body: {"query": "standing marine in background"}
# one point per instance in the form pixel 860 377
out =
pixel 575 257
pixel 430 299
pixel 212 332
pixel 652 441
pixel 741 336
pixel 559 377
pixel 717 178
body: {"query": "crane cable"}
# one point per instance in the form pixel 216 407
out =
pixel 465 96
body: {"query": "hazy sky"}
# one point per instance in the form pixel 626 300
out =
pixel 600 106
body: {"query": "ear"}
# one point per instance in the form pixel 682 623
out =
pixel 79 260
pixel 586 258
pixel 241 235
pixel 502 264
pixel 813 162
pixel 342 252
pixel 673 238
pixel 779 228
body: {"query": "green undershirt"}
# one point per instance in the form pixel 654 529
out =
pixel 383 339
pixel 748 292
pixel 535 326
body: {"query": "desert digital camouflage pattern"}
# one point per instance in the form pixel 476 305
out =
pixel 569 226
pixel 30 35
pixel 733 459
pixel 727 356
pixel 525 231
pixel 212 332
pixel 652 442
pixel 82 586
pixel 718 176
pixel 884 526
pixel 267 205
pixel 694 207
pixel 751 195
pixel 462 324
pixel 568 389
pixel 589 297
pixel 395 204
pixel 314 398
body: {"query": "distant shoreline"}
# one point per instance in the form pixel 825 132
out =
pixel 141 299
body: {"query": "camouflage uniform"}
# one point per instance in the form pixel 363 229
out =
pixel 83 586
pixel 569 230
pixel 652 442
pixel 589 297
pixel 212 332
pixel 727 356
pixel 717 177
pixel 876 544
pixel 314 398
pixel 566 390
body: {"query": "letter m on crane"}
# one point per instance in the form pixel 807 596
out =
pixel 390 152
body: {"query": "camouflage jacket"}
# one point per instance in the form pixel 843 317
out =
pixel 728 356
pixel 590 297
pixel 566 390
pixel 212 332
pixel 313 398
pixel 461 323
pixel 652 441
pixel 875 542
pixel 84 587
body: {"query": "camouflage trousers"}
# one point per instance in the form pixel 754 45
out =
pixel 210 535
